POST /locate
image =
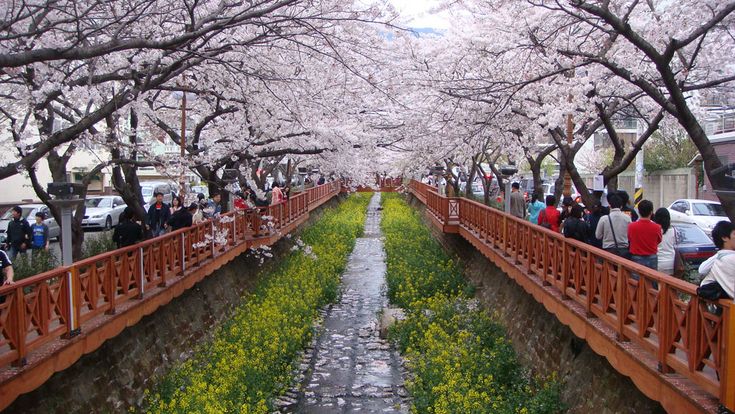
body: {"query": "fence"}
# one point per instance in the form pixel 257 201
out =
pixel 56 306
pixel 672 328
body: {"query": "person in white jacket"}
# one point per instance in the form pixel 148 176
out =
pixel 720 268
pixel 666 249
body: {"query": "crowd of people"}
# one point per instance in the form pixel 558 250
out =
pixel 644 236
pixel 160 218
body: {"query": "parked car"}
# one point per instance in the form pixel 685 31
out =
pixel 103 212
pixel 693 244
pixel 29 213
pixel 703 213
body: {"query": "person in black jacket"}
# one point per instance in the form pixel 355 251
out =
pixel 182 217
pixel 127 232
pixel 18 233
pixel 574 226
pixel 158 215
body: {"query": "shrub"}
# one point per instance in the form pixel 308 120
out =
pixel 459 358
pixel 32 263
pixel 249 360
pixel 101 244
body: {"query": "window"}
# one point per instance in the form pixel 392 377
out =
pixel 708 209
pixel 691 235
pixel 98 202
pixel 680 206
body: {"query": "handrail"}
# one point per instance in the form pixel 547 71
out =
pixel 661 314
pixel 54 305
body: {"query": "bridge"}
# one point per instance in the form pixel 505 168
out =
pixel 664 338
pixel 48 321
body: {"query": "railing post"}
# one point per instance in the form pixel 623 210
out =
pixel 141 274
pixel 620 302
pixel 211 226
pixel 727 383
pixel 162 261
pixel 73 301
pixel 20 318
pixel 665 313
pixel 183 254
pixel 565 268
pixel 109 283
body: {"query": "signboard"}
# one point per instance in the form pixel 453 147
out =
pixel 598 183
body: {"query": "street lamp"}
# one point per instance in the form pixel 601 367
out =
pixel 67 198
pixel 507 171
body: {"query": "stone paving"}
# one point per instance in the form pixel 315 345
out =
pixel 350 369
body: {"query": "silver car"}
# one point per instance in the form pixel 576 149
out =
pixel 29 214
pixel 102 212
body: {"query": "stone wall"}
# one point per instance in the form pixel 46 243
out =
pixel 113 378
pixel 545 345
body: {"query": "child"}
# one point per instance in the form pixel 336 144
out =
pixel 39 234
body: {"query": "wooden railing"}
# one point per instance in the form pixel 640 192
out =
pixel 660 314
pixel 57 304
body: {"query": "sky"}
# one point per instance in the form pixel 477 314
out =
pixel 418 13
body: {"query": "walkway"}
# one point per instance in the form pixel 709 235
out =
pixel 351 369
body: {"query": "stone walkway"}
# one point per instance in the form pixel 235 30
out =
pixel 350 369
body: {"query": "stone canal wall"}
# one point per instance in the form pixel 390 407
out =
pixel 545 345
pixel 112 378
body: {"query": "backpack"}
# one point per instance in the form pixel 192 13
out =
pixel 544 222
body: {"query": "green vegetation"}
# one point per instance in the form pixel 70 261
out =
pixel 249 360
pixel 458 355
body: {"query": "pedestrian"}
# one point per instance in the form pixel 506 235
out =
pixel 276 195
pixel 442 186
pixel 18 233
pixel 719 270
pixel 666 249
pixel 549 217
pixel 566 209
pixel 7 267
pixel 574 226
pixel 613 229
pixel 239 203
pixel 127 232
pixel 321 180
pixel 535 207
pixel 626 208
pixel 183 218
pixel 596 212
pixel 517 203
pixel 214 208
pixel 198 216
pixel 286 192
pixel 39 234
pixel 644 236
pixel 176 204
pixel 158 215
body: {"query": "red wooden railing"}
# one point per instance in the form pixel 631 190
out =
pixel 57 304
pixel 660 314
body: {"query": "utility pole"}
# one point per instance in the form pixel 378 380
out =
pixel 567 189
pixel 182 142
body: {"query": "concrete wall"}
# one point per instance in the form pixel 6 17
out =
pixel 661 187
pixel 545 345
pixel 113 378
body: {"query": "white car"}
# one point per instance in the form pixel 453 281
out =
pixel 103 212
pixel 29 214
pixel 704 213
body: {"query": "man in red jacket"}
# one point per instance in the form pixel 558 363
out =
pixel 549 217
pixel 644 236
